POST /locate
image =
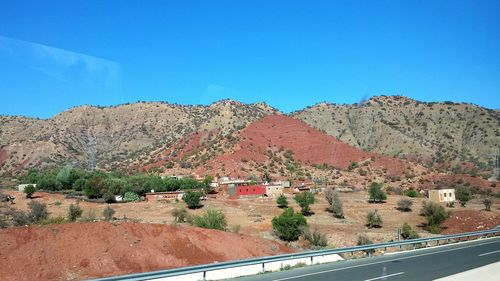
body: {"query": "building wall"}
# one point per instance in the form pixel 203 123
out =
pixel 274 190
pixel 442 195
pixel 251 190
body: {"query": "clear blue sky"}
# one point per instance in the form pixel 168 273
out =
pixel 59 54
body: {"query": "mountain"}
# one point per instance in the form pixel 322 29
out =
pixel 122 132
pixel 436 133
pixel 230 137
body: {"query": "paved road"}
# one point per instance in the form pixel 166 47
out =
pixel 420 265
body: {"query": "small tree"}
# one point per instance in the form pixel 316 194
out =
pixel 336 206
pixel 373 219
pixel 192 199
pixel 29 190
pixel 282 202
pixel 74 212
pixel 375 192
pixel 289 224
pixel 411 193
pixel 108 213
pixel 487 203
pixel 408 233
pixel 207 181
pixel 404 205
pixel 304 199
pixel 212 219
pixel 38 211
pixel 463 195
pixel 180 215
pixel 316 239
pixel 435 215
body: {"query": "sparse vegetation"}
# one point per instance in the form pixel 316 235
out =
pixel 334 203
pixel 408 233
pixel 363 239
pixel 37 211
pixel 316 238
pixel 108 213
pixel 463 194
pixel 487 202
pixel 180 215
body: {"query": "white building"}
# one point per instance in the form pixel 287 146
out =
pixel 442 195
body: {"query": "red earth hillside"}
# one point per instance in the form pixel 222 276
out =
pixel 77 251
pixel 309 146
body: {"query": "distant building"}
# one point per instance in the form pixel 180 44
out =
pixel 169 195
pixel 274 190
pixel 21 187
pixel 442 195
pixel 246 190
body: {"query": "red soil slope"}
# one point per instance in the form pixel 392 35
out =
pixel 86 250
pixel 309 145
pixel 470 220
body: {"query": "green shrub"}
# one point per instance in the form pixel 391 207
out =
pixel 463 194
pixel 288 225
pixel 282 202
pixel 53 220
pixel 192 199
pixel 404 205
pixel 435 215
pixel 38 211
pixel 131 197
pixel 408 233
pixel 74 212
pixel 29 190
pixel 109 198
pixel 487 203
pixel 212 219
pixel 375 192
pixel 336 206
pixel 412 193
pixel 304 199
pixel 373 219
pixel 108 213
pixel 180 215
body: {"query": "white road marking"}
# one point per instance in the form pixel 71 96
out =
pixel 489 253
pixel 378 262
pixel 383 277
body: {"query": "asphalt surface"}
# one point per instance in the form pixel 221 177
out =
pixel 420 265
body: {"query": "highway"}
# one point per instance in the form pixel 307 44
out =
pixel 420 265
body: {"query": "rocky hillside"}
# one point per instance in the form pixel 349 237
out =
pixel 443 132
pixel 122 132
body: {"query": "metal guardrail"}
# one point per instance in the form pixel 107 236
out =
pixel 309 254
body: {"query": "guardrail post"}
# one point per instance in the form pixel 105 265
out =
pixel 414 246
pixel 311 260
pixel 426 244
pixel 263 267
pixel 204 275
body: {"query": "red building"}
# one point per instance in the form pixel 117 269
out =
pixel 250 190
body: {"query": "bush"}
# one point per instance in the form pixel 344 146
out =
pixel 373 219
pixel 109 198
pixel 365 240
pixel 463 194
pixel 304 199
pixel 108 213
pixel 404 205
pixel 29 190
pixel 315 238
pixel 435 215
pixel 375 192
pixel 212 219
pixel 131 197
pixel 282 202
pixel 408 233
pixel 192 199
pixel 53 220
pixel 288 225
pixel 74 212
pixel 180 215
pixel 38 211
pixel 19 218
pixel 412 193
pixel 336 206
pixel 487 203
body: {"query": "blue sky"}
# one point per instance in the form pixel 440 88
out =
pixel 59 54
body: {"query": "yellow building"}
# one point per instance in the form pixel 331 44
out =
pixel 442 195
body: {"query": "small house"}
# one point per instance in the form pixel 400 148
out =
pixel 160 196
pixel 442 195
pixel 274 190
